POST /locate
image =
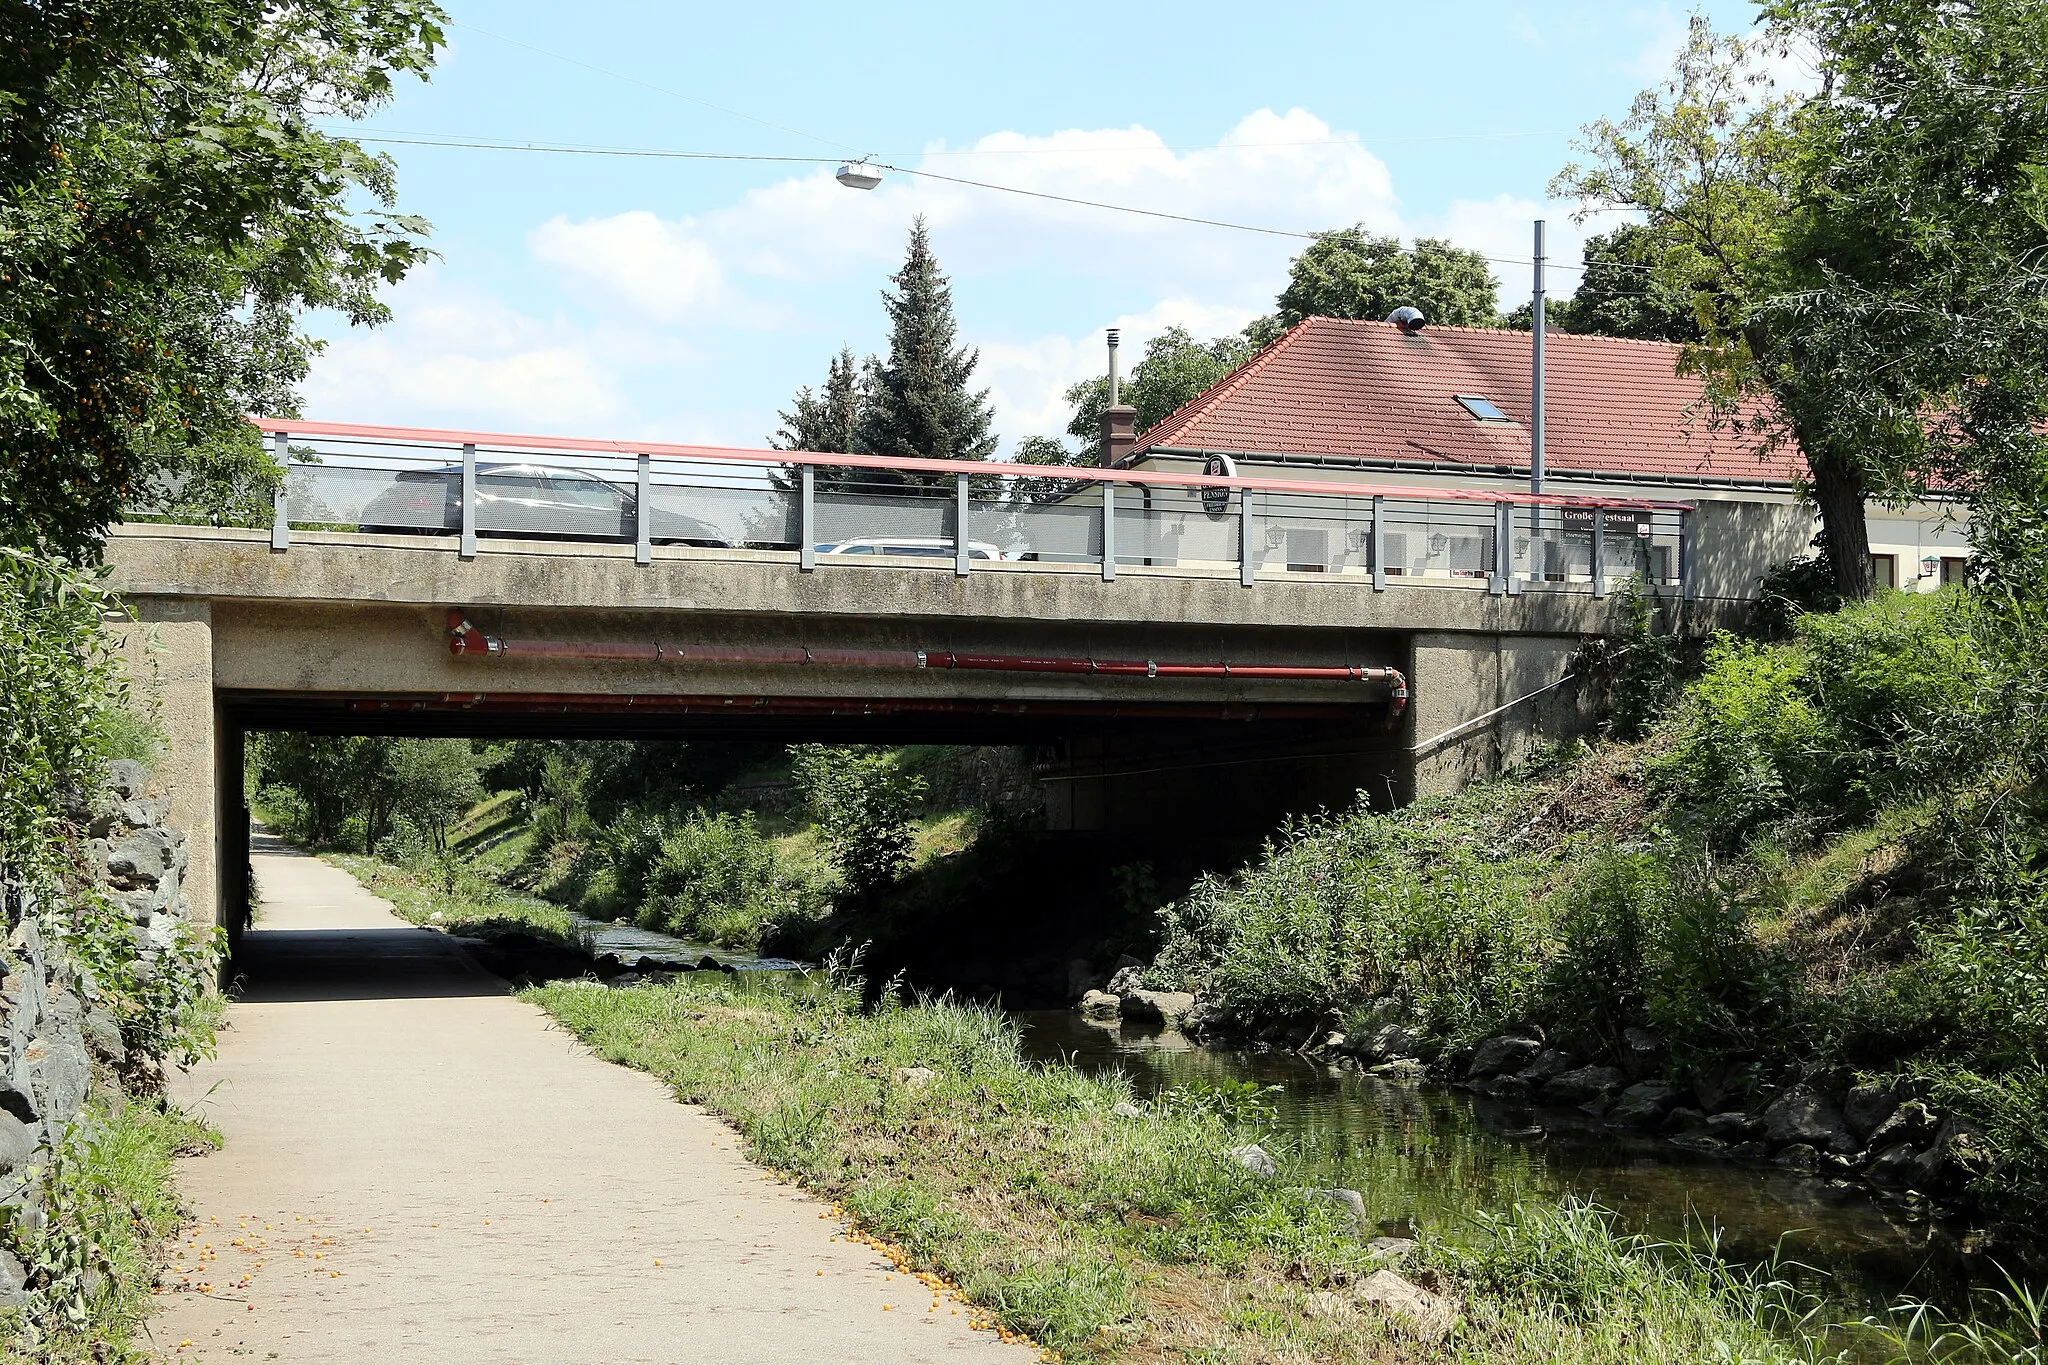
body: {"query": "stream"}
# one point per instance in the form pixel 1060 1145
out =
pixel 1429 1156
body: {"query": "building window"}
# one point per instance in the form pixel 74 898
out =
pixel 1884 570
pixel 1954 569
pixel 1482 408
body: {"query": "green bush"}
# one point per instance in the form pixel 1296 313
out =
pixel 716 878
pixel 1866 705
pixel 865 805
pixel 1423 904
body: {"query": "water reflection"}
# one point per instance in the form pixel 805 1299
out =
pixel 1429 1156
pixel 630 941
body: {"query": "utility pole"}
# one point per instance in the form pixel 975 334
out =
pixel 1536 370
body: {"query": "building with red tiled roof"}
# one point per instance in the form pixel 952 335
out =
pixel 1450 406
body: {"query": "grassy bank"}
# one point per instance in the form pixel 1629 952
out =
pixel 1104 1228
pixel 112 1206
pixel 1818 860
pixel 457 899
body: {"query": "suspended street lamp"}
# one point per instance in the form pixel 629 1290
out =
pixel 858 175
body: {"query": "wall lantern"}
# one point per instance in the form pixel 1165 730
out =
pixel 1929 567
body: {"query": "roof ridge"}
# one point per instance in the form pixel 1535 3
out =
pixel 1550 333
pixel 1221 389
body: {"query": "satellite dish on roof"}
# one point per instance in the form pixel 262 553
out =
pixel 1409 320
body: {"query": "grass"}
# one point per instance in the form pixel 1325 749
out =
pixel 1135 1237
pixel 472 905
pixel 112 1206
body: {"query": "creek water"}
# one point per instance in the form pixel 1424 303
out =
pixel 1427 1156
pixel 1430 1156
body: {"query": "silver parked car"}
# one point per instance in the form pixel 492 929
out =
pixel 527 500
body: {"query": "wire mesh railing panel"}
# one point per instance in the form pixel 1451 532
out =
pixel 724 515
pixel 1313 533
pixel 869 517
pixel 1177 527
pixel 1447 542
pixel 1041 526
pixel 370 498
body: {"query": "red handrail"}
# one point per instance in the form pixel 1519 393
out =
pixel 1086 473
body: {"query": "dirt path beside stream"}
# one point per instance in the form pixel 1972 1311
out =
pixel 420 1168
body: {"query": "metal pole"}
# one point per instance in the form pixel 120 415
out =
pixel 1503 548
pixel 1109 524
pixel 1112 367
pixel 806 519
pixel 1246 564
pixel 1538 557
pixel 643 516
pixel 1599 552
pixel 961 557
pixel 281 496
pixel 1379 543
pixel 468 550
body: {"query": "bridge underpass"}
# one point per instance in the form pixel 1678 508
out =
pixel 1158 692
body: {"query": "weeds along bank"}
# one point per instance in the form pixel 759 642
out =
pixel 1174 1228
pixel 1796 910
pixel 105 980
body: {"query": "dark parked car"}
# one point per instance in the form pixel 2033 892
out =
pixel 539 501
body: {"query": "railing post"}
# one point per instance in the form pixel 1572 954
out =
pixel 643 515
pixel 807 519
pixel 281 497
pixel 1379 544
pixel 1599 552
pixel 1688 550
pixel 962 559
pixel 1108 531
pixel 1503 548
pixel 1247 566
pixel 468 550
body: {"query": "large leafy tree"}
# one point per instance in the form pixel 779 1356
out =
pixel 1621 293
pixel 920 404
pixel 1175 370
pixel 1351 273
pixel 169 206
pixel 1711 159
pixel 1918 252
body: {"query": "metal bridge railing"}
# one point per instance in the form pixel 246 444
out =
pixel 827 509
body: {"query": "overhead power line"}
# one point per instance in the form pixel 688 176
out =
pixel 670 154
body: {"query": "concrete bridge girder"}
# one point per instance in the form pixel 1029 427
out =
pixel 349 631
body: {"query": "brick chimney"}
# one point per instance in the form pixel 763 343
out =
pixel 1119 433
pixel 1119 422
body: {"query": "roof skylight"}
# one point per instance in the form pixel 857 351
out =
pixel 1482 408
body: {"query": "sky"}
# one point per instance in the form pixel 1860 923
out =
pixel 686 300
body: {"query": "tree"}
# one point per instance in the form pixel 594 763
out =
pixel 1620 293
pixel 829 420
pixel 169 206
pixel 1711 159
pixel 919 405
pixel 1351 273
pixel 1917 254
pixel 1175 371
pixel 865 804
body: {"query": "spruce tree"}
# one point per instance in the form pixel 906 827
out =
pixel 920 405
pixel 827 420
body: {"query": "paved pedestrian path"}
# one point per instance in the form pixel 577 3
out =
pixel 419 1168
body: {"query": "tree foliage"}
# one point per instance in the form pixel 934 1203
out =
pixel 169 205
pixel 829 419
pixel 865 804
pixel 1352 273
pixel 1620 293
pixel 919 403
pixel 1176 370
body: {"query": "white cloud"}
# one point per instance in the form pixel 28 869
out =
pixel 1501 228
pixel 658 268
pixel 1028 381
pixel 447 358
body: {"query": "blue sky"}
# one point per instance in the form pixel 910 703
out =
pixel 686 300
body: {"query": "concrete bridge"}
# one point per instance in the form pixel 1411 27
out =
pixel 1199 653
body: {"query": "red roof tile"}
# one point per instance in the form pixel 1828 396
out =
pixel 1363 390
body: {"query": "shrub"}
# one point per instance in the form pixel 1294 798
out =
pixel 717 879
pixel 865 806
